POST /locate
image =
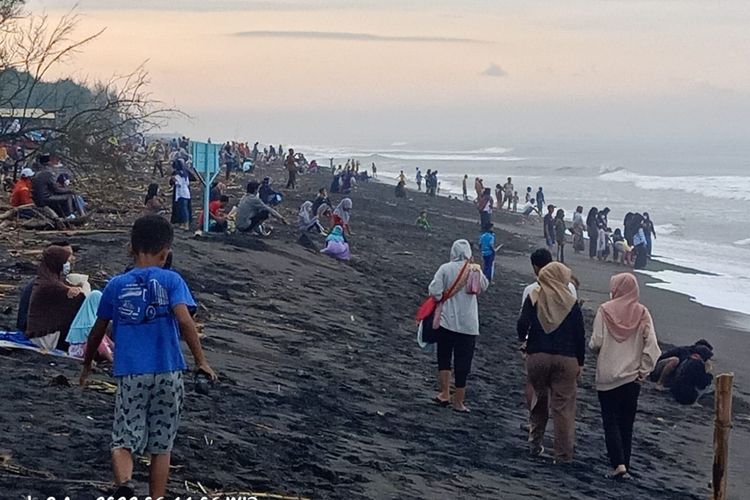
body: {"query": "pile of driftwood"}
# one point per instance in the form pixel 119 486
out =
pixel 41 218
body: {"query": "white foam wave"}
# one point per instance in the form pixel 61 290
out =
pixel 721 187
pixel 665 229
pixel 742 243
pixel 398 153
pixel 435 156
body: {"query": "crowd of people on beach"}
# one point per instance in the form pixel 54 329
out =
pixel 137 321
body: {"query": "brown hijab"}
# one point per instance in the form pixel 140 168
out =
pixel 553 299
pixel 50 309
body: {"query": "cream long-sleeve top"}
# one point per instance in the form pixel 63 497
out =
pixel 619 363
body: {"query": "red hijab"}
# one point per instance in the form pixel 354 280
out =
pixel 624 315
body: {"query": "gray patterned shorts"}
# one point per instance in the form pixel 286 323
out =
pixel 147 412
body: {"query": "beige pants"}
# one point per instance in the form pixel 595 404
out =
pixel 48 342
pixel 554 379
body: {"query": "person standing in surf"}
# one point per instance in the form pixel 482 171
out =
pixel 508 192
pixel 559 232
pixel 465 192
pixel 593 231
pixel 649 232
pixel 540 199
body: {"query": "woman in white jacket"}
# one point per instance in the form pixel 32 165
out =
pixel 627 348
pixel 459 322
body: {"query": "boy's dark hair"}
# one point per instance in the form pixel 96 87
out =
pixel 704 342
pixel 151 234
pixel 541 257
pixel 252 187
pixel 321 190
pixel 224 198
pixel 489 226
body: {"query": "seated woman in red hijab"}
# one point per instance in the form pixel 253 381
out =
pixel 54 304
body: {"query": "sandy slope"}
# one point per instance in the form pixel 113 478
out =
pixel 324 392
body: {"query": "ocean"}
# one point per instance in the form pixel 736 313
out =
pixel 698 200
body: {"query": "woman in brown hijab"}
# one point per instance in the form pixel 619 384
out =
pixel 551 325
pixel 53 303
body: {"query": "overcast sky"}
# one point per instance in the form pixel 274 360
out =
pixel 496 72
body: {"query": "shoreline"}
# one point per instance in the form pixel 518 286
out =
pixel 324 392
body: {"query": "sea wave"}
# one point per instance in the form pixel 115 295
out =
pixel 742 243
pixel 396 152
pixel 723 187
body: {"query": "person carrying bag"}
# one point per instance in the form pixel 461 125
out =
pixel 450 319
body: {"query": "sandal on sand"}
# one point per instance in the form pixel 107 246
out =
pixel 619 476
pixel 440 402
pixel 462 410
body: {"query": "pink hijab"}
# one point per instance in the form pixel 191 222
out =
pixel 624 315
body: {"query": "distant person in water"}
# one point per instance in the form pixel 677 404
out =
pixel 478 187
pixel 627 350
pixel 464 188
pixel 559 231
pixel 540 199
pixel 549 229
pixel 402 177
pixel 578 228
pixel 458 323
pixel 499 196
pixel 593 231
pixel 515 201
pixel 422 222
pixel 529 195
pixel 374 171
pixel 508 193
pixel 419 178
pixel 649 231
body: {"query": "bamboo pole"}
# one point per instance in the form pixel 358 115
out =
pixel 722 426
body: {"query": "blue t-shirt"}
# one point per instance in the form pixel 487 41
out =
pixel 140 304
pixel 487 243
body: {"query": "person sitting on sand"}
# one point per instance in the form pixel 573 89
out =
pixel 21 194
pixel 252 212
pixel 422 222
pixel 529 208
pixel 671 359
pixel 217 216
pixel 47 193
pixel 342 215
pixel 267 195
pixel 627 349
pixel 321 199
pixel 336 245
pixel 487 247
pixel 81 327
pixel 551 325
pixel 53 303
pixel 153 204
pixel 692 377
pixel 308 221
pixel 63 182
pixel 459 323
pixel 148 309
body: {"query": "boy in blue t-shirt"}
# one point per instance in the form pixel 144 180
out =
pixel 148 308
pixel 487 246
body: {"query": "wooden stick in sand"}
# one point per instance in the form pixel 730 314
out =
pixel 722 426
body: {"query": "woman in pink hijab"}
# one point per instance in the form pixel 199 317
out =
pixel 625 340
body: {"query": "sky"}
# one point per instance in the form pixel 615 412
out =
pixel 459 73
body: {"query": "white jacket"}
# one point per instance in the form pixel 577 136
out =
pixel 460 313
pixel 620 363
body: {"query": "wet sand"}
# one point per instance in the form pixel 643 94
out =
pixel 324 393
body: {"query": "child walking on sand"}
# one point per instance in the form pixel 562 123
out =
pixel 148 308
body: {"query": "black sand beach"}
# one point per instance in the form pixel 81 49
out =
pixel 324 392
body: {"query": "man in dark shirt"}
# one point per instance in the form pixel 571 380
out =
pixel 322 199
pixel 670 360
pixel 549 229
pixel 47 193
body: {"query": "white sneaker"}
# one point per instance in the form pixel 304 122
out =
pixel 71 217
